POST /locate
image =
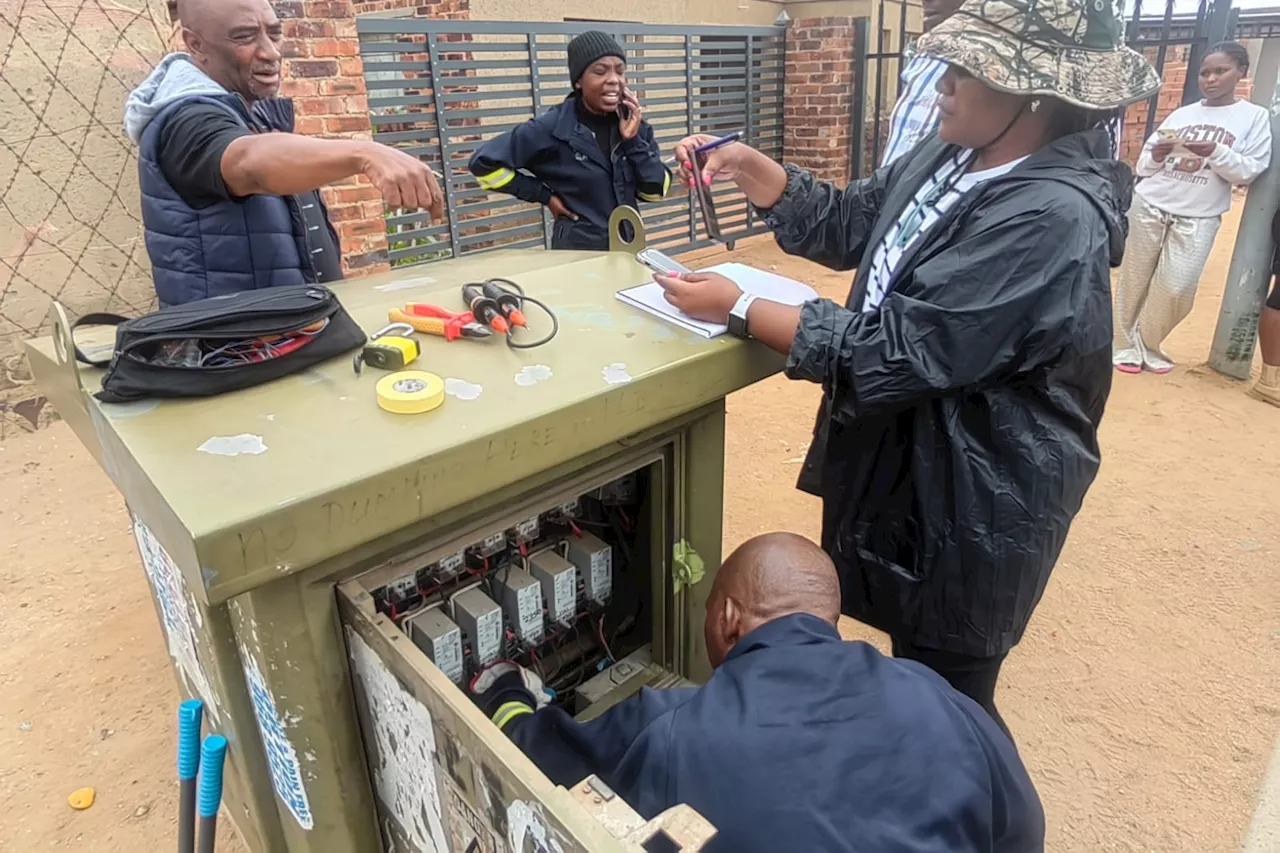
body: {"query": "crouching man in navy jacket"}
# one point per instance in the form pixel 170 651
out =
pixel 800 741
pixel 230 195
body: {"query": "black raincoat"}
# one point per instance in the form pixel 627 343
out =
pixel 958 432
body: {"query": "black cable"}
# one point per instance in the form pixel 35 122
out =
pixel 496 589
pixel 555 327
pixel 512 287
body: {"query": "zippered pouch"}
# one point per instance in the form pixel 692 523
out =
pixel 222 344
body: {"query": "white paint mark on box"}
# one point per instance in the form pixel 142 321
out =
pixel 615 374
pixel 462 389
pixel 532 374
pixel 234 445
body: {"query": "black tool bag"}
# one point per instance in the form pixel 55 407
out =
pixel 222 344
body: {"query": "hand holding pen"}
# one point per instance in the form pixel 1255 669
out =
pixel 719 157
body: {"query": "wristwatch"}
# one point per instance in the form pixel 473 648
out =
pixel 738 316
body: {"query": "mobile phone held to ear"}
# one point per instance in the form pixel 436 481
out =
pixel 624 111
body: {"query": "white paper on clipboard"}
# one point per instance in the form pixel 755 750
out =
pixel 649 297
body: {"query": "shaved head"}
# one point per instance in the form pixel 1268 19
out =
pixel 194 14
pixel 235 42
pixel 773 575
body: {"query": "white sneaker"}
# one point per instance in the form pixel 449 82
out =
pixel 1267 388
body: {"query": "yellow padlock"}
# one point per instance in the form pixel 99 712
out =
pixel 389 351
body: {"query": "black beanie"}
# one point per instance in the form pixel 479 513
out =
pixel 587 48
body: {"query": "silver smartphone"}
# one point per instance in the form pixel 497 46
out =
pixel 658 262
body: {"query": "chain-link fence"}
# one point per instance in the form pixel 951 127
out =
pixel 70 227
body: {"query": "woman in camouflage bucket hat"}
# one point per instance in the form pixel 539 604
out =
pixel 1070 50
pixel 965 375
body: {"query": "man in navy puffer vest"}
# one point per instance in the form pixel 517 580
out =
pixel 230 195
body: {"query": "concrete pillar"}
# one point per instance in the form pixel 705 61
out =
pixel 1249 276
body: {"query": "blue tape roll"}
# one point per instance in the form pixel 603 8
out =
pixel 190 717
pixel 212 754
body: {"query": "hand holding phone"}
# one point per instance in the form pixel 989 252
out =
pixel 629 114
pixel 661 263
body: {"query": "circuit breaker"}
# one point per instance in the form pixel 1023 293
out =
pixel 440 639
pixel 559 580
pixel 481 622
pixel 594 559
pixel 566 591
pixel 522 601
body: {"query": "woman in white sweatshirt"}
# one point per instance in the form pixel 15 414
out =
pixel 1187 168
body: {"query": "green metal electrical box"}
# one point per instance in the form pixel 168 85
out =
pixel 328 574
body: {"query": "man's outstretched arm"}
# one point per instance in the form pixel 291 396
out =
pixel 287 164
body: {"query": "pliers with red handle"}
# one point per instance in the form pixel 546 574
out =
pixel 434 320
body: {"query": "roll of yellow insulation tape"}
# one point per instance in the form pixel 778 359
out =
pixel 410 392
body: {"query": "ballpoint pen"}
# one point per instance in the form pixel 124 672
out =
pixel 736 136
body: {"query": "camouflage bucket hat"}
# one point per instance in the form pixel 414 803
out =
pixel 1066 49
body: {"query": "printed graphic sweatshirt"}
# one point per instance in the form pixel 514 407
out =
pixel 1201 186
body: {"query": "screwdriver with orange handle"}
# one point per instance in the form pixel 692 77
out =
pixel 510 299
pixel 485 307
pixel 433 320
pixel 499 303
pixel 496 302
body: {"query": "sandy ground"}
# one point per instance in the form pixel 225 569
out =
pixel 1144 697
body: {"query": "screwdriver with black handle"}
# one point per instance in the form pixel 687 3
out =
pixel 485 307
pixel 510 302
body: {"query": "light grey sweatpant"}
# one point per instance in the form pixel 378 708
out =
pixel 1163 260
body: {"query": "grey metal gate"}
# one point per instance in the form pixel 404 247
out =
pixel 438 88
pixel 1153 28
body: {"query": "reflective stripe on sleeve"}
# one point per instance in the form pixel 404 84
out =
pixel 666 185
pixel 496 179
pixel 508 711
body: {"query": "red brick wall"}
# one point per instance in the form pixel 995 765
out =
pixel 817 107
pixel 324 76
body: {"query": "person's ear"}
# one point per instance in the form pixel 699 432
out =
pixel 195 45
pixel 731 617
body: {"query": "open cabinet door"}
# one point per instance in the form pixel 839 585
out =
pixel 446 779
